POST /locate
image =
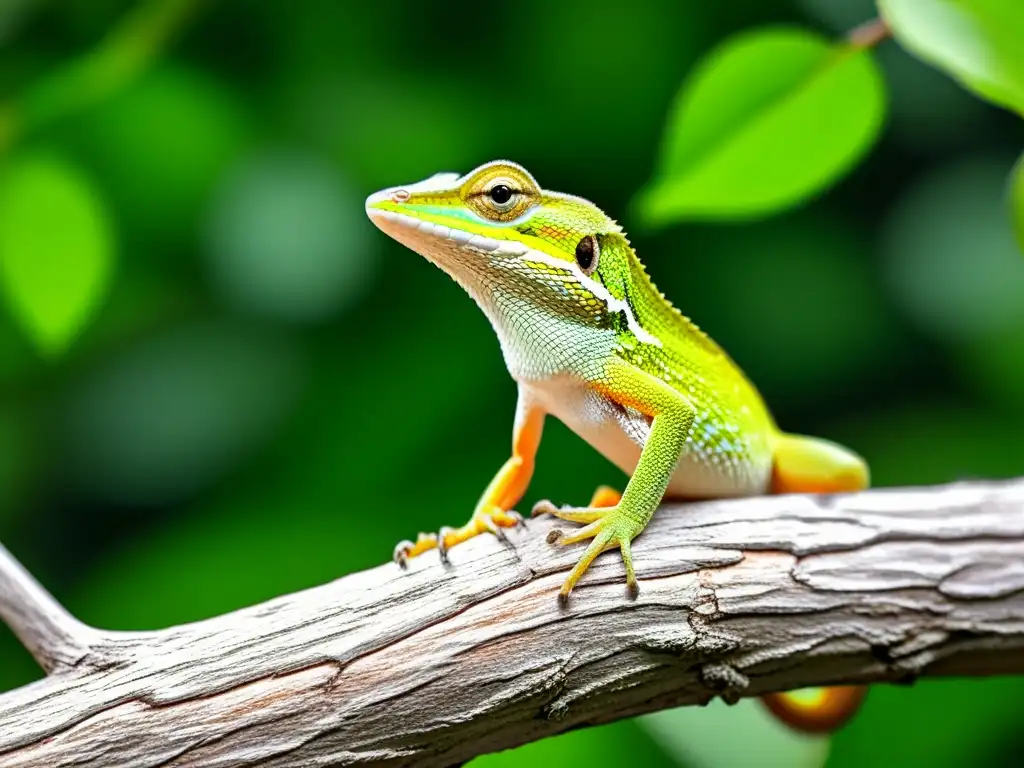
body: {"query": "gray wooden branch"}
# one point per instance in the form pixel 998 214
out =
pixel 438 664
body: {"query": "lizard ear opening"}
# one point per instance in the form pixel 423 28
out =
pixel 588 254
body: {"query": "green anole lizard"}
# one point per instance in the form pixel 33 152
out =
pixel 591 341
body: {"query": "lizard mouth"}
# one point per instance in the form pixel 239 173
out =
pixel 417 233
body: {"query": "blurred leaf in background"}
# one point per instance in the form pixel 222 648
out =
pixel 56 248
pixel 769 118
pixel 839 16
pixel 976 41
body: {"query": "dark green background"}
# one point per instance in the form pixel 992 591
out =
pixel 272 393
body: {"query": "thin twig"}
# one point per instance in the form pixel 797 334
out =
pixel 869 34
pixel 55 638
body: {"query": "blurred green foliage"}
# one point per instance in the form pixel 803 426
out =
pixel 768 119
pixel 1017 201
pixel 253 378
pixel 977 41
pixel 742 734
pixel 57 248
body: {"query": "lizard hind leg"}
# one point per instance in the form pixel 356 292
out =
pixel 493 512
pixel 605 496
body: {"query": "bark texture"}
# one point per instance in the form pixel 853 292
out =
pixel 435 665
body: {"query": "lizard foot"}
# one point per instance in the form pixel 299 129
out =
pixel 488 519
pixel 605 526
pixel 604 496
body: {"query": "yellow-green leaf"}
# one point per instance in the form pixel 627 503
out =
pixel 978 42
pixel 1017 201
pixel 769 119
pixel 56 248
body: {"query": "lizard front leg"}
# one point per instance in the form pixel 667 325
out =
pixel 494 509
pixel 618 524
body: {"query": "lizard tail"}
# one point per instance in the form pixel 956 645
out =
pixel 817 710
pixel 812 465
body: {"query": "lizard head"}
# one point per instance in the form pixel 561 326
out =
pixel 495 229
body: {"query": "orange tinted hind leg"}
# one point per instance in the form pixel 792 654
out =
pixel 604 496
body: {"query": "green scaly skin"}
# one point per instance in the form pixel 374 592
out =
pixel 591 341
pixel 594 343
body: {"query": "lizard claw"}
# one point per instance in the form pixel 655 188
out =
pixel 604 527
pixel 404 550
pixel 491 526
pixel 488 520
pixel 442 546
pixel 543 507
pixel 401 553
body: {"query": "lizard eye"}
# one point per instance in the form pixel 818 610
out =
pixel 588 253
pixel 501 194
pixel 498 192
pixel 502 197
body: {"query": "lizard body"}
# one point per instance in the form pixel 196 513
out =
pixel 590 340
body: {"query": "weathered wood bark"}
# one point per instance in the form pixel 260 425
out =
pixel 438 664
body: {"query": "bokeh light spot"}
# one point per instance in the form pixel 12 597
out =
pixel 950 254
pixel 172 415
pixel 286 238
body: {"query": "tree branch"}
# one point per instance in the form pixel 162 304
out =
pixel 56 640
pixel 869 34
pixel 438 664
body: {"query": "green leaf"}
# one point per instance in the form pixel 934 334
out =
pixel 1017 201
pixel 56 249
pixel 978 42
pixel 769 119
